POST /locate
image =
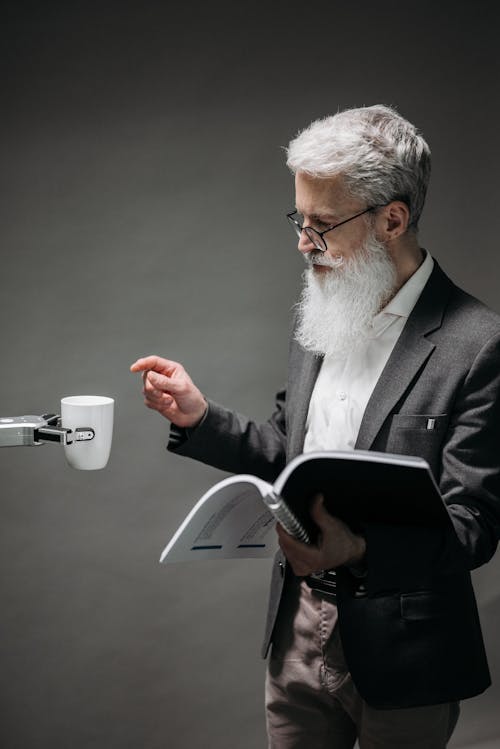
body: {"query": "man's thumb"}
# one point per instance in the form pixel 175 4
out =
pixel 318 512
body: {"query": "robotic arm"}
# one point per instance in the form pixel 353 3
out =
pixel 36 430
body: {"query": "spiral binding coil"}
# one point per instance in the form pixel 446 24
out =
pixel 286 517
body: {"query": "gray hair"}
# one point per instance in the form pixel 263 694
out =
pixel 380 155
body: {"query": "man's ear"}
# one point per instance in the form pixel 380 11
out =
pixel 395 219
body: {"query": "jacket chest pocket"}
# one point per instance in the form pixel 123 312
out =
pixel 417 434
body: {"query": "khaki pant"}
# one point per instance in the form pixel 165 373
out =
pixel 311 701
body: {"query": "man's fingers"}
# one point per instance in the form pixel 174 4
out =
pixel 162 382
pixel 155 381
pixel 301 557
pixel 294 547
pixel 156 395
pixel 155 363
pixel 146 362
pixel 158 400
pixel 159 405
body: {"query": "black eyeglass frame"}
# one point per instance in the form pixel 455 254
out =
pixel 311 232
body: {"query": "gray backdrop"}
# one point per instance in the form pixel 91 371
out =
pixel 143 200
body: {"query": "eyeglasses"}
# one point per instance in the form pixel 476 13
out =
pixel 315 236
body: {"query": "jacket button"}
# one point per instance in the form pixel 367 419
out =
pixel 360 591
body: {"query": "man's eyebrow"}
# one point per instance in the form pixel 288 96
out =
pixel 324 216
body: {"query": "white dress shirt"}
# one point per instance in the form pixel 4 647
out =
pixel 345 383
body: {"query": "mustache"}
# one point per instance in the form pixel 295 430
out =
pixel 316 257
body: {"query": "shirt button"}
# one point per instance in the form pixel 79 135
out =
pixel 342 395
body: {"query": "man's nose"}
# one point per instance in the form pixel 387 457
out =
pixel 305 245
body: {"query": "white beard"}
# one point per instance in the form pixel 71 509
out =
pixel 336 308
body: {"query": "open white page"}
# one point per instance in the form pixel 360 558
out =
pixel 230 521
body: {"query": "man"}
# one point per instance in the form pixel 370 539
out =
pixel 387 354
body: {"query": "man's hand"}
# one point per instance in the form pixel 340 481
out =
pixel 168 389
pixel 337 544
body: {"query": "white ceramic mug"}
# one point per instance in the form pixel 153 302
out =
pixel 93 412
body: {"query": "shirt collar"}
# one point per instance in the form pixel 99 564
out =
pixel 407 296
pixel 403 302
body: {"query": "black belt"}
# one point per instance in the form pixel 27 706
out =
pixel 326 583
pixel 323 582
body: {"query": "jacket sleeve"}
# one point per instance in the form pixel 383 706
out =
pixel 228 440
pixel 470 479
pixel 470 486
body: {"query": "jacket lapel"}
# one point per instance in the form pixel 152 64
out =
pixel 303 387
pixel 408 356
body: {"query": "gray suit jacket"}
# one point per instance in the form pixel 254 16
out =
pixel 415 638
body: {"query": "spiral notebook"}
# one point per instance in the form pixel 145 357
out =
pixel 236 517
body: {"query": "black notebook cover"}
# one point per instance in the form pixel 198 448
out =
pixel 363 487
